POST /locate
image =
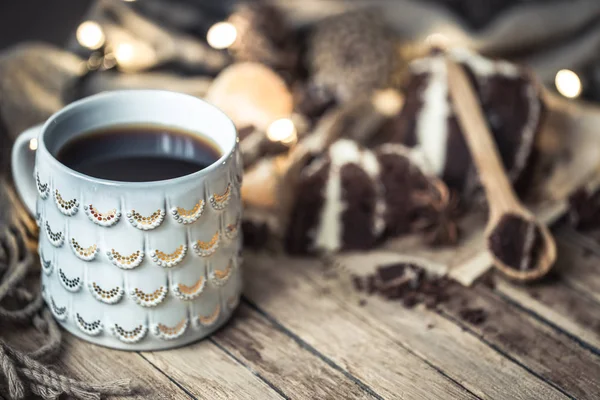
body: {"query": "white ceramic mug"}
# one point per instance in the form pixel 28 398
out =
pixel 136 266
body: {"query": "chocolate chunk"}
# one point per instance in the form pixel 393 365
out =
pixel 475 316
pixel 516 242
pixel 405 282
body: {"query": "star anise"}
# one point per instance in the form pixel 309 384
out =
pixel 437 212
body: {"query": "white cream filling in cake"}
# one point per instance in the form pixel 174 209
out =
pixel 432 121
pixel 432 126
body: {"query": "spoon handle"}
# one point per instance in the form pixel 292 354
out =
pixel 492 174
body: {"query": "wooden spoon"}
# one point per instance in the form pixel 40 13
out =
pixel 499 192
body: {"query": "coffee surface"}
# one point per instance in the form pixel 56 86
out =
pixel 138 153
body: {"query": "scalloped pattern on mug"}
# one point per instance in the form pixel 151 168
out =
pixel 146 223
pixel 219 201
pixel 170 332
pixel 131 336
pixel 166 260
pixel 60 313
pixel 71 284
pixel 210 319
pixel 47 265
pixel 93 328
pixel 111 296
pixel 233 302
pixel 42 188
pixel 149 299
pixel 84 253
pixel 105 219
pixel 221 276
pixel 184 216
pixel 67 207
pixel 125 262
pixel 38 218
pixel 206 249
pixel 57 239
pixel 184 292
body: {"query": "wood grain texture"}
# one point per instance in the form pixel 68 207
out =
pixel 536 346
pixel 581 257
pixel 349 341
pixel 85 361
pixel 282 361
pixel 560 306
pixel 568 299
pixel 207 372
pixel 326 313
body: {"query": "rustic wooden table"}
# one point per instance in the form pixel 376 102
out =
pixel 303 332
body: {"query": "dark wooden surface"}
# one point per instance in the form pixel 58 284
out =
pixel 303 332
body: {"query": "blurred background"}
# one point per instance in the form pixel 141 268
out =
pixel 49 21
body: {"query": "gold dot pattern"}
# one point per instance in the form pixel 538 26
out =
pixel 56 238
pixel 91 328
pixel 132 336
pixel 85 253
pixel 111 296
pixel 191 289
pixel 145 223
pixel 67 207
pixel 205 249
pixel 108 218
pixel 219 201
pixel 171 332
pixel 223 273
pixel 187 293
pixel 149 299
pixel 43 188
pixel 210 319
pixel 125 262
pixel 184 216
pixel 169 260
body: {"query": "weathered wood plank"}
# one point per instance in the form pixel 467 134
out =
pixel 569 298
pixel 311 313
pixel 559 305
pixel 326 314
pixel 282 361
pixel 85 361
pixel 581 260
pixel 206 371
pixel 535 345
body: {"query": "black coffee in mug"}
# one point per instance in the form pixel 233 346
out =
pixel 138 153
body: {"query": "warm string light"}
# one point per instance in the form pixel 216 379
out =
pixel 33 144
pixel 221 35
pixel 282 130
pixel 568 83
pixel 90 34
pixel 124 53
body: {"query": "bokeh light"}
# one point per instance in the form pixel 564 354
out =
pixel 568 83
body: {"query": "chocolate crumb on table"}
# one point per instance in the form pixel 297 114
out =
pixel 516 242
pixel 475 316
pixel 405 282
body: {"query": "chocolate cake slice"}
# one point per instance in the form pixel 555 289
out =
pixel 508 96
pixel 350 197
pixel 339 203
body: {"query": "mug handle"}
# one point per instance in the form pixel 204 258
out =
pixel 23 164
